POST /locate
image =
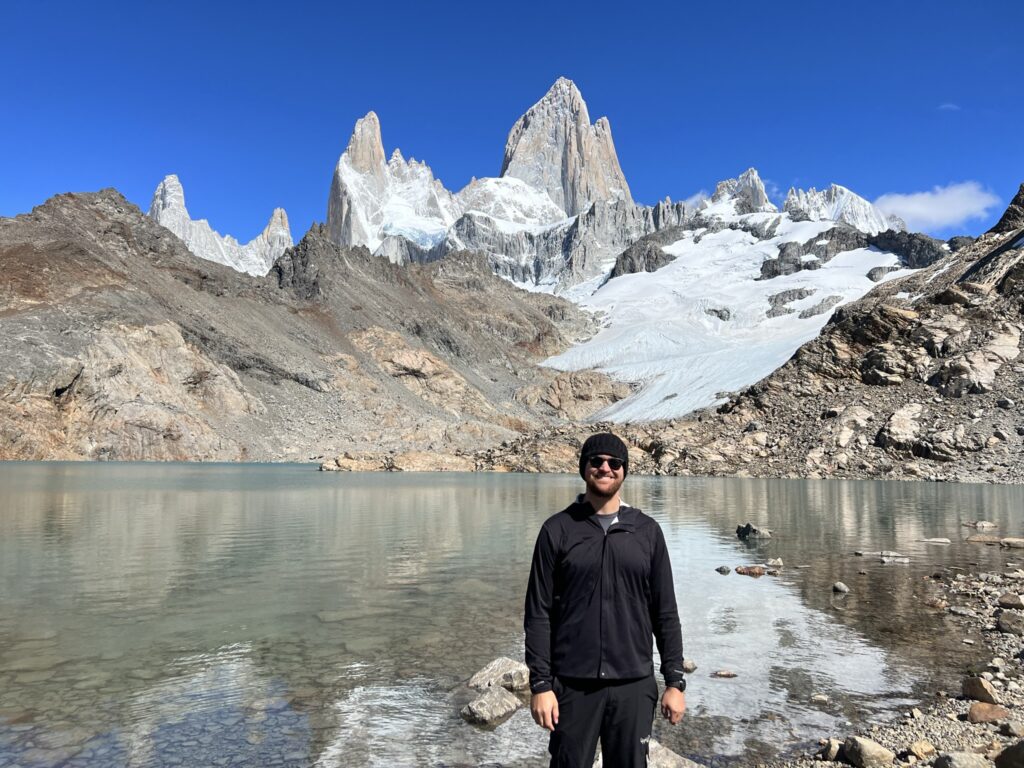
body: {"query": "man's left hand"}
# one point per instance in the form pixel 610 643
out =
pixel 673 705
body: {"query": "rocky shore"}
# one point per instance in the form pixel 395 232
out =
pixel 981 723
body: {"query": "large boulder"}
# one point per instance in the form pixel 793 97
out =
pixel 979 689
pixel 865 753
pixel 493 706
pixel 901 430
pixel 503 672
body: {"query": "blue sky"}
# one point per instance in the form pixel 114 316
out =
pixel 252 104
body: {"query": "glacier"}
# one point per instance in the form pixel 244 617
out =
pixel 706 324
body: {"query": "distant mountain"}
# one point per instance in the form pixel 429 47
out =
pixel 837 203
pixel 696 311
pixel 554 148
pixel 920 379
pixel 255 257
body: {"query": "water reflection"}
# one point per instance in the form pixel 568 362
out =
pixel 163 614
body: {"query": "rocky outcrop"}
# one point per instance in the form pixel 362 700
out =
pixel 553 147
pixel 647 254
pixel 121 344
pixel 747 192
pixel 371 199
pixel 576 395
pixel 915 251
pixel 255 257
pixel 1013 217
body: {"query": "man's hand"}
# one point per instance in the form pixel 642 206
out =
pixel 544 708
pixel 673 704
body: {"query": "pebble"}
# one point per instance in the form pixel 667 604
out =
pixel 840 588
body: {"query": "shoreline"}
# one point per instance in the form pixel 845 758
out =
pixel 978 603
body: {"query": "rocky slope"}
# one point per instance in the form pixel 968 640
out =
pixel 920 379
pixel 121 344
pixel 254 258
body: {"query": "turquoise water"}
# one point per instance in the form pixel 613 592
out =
pixel 275 615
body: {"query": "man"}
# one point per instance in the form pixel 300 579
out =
pixel 600 587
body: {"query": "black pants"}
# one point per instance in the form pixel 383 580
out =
pixel 619 712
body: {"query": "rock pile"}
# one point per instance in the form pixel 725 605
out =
pixel 982 727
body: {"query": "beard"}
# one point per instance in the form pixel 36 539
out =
pixel 605 491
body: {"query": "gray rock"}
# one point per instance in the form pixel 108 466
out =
pixel 750 531
pixel 961 760
pixel 979 689
pixel 865 753
pixel 724 569
pixel 494 705
pixel 830 750
pixel 555 148
pixel 1011 623
pixel 504 672
pixel 840 588
pixel 1014 728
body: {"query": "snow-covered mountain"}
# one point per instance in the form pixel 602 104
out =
pixel 554 157
pixel 837 203
pixel 744 194
pixel 713 319
pixel 255 257
pixel 696 300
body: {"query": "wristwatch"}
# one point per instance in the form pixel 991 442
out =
pixel 679 685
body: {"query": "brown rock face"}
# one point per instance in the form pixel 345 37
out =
pixel 1013 217
pixel 980 712
pixel 121 344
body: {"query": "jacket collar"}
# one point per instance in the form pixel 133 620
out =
pixel 584 511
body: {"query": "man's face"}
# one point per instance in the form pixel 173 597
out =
pixel 603 481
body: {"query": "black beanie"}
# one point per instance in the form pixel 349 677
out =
pixel 604 443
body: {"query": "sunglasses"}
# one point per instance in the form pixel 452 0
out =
pixel 598 461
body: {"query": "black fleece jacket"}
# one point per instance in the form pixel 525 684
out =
pixel 594 600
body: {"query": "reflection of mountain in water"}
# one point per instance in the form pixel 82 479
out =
pixel 281 600
pixel 822 524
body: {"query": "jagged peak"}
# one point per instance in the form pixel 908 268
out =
pixel 365 150
pixel 747 190
pixel 554 148
pixel 1013 216
pixel 169 195
pixel 278 221
pixel 842 204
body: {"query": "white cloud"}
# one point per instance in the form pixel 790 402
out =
pixel 949 107
pixel 941 207
pixel 696 198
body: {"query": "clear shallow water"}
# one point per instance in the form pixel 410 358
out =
pixel 275 615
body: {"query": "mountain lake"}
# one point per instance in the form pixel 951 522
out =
pixel 275 615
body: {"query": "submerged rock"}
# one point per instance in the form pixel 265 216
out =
pixel 750 531
pixel 494 705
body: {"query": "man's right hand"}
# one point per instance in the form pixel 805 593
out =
pixel 544 708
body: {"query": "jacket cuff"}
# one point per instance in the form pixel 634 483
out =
pixel 539 686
